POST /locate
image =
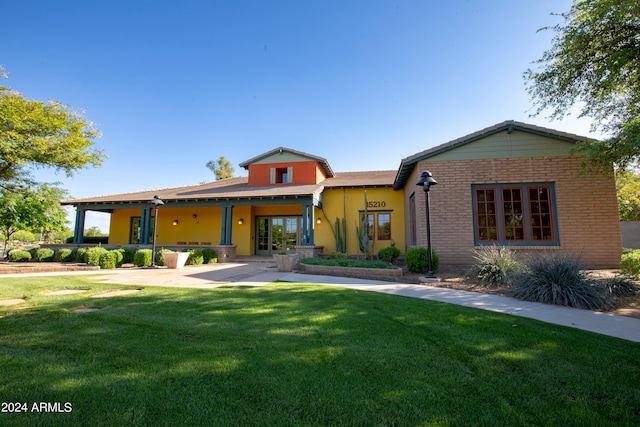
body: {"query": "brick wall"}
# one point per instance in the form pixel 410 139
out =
pixel 586 206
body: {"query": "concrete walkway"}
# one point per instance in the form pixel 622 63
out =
pixel 263 273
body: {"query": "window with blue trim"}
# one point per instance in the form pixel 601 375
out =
pixel 515 214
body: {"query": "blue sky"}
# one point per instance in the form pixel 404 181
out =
pixel 363 84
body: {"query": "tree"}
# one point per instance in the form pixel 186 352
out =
pixel 221 168
pixel 594 63
pixel 36 209
pixel 42 134
pixel 628 190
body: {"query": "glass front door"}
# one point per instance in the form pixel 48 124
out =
pixel 277 234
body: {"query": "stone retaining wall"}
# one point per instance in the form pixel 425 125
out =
pixel 387 275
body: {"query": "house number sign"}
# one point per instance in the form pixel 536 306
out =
pixel 376 204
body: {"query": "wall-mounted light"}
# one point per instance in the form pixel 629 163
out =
pixel 319 221
pixel 195 215
pixel 240 221
pixel 175 222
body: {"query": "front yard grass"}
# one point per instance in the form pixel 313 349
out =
pixel 297 354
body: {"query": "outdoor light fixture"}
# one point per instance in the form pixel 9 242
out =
pixel 156 202
pixel 240 221
pixel 175 222
pixel 319 221
pixel 426 181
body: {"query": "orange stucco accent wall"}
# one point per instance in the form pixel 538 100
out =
pixel 303 173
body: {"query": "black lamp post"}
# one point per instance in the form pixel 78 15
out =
pixel 426 181
pixel 156 202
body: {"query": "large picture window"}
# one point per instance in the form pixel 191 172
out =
pixel 514 214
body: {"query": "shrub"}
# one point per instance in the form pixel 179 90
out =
pixel 119 254
pixel 43 255
pixel 94 254
pixel 142 258
pixel 630 263
pixel 195 257
pixel 19 255
pixel 64 255
pixel 389 254
pixel 127 255
pixel 558 278
pixel 418 260
pixel 209 255
pixel 338 255
pixel 107 260
pixel 81 255
pixel 494 265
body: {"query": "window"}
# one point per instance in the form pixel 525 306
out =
pixel 281 175
pixel 384 226
pixel 518 214
pixel 412 219
pixel 379 223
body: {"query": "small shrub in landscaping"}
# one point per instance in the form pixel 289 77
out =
pixel 417 260
pixel 118 253
pixel 338 255
pixel 64 255
pixel 19 255
pixel 107 260
pixel 127 255
pixel 494 265
pixel 558 278
pixel 209 255
pixel 81 255
pixel 389 254
pixel 94 254
pixel 630 263
pixel 195 257
pixel 43 255
pixel 142 258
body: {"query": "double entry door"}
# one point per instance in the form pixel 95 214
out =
pixel 277 234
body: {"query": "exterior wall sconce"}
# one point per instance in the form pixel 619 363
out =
pixel 175 222
pixel 195 215
pixel 319 221
pixel 240 221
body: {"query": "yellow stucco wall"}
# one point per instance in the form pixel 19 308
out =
pixel 335 201
pixel 202 225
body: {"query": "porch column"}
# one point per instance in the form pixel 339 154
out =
pixel 145 225
pixel 227 225
pixel 78 231
pixel 307 225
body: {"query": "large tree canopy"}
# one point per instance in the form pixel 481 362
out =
pixel 594 64
pixel 35 209
pixel 43 134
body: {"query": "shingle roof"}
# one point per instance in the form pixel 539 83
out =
pixel 408 164
pixel 238 188
pixel 361 179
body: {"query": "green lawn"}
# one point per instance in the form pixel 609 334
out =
pixel 296 354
